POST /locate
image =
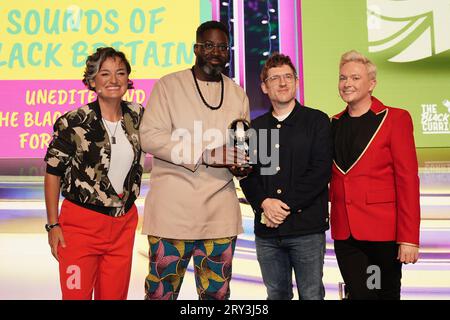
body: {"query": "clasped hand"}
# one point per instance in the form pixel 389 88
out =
pixel 275 212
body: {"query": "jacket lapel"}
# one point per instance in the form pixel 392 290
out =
pixel 378 108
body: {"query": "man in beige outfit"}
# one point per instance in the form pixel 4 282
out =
pixel 192 208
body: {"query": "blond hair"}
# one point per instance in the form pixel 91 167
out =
pixel 355 56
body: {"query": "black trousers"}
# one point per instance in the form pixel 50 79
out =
pixel 359 263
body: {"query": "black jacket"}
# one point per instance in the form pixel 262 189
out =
pixel 300 178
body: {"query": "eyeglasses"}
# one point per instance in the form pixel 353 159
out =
pixel 288 78
pixel 209 46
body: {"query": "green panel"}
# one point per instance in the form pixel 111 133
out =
pixel 205 10
pixel 331 28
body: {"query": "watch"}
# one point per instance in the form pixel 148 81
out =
pixel 49 227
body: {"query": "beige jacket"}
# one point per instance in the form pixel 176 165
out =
pixel 186 200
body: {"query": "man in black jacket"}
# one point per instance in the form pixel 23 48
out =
pixel 288 187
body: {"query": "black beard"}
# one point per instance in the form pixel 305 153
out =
pixel 210 70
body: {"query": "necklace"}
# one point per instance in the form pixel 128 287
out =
pixel 200 93
pixel 113 135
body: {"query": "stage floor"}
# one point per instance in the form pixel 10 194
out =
pixel 28 271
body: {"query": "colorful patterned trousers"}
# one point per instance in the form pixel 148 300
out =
pixel 169 259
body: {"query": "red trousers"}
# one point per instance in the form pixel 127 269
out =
pixel 98 253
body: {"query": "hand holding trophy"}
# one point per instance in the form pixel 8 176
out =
pixel 224 156
pixel 239 134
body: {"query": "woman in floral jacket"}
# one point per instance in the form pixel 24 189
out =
pixel 96 162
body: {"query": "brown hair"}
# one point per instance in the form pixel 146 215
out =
pixel 276 59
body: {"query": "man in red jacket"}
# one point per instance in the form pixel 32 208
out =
pixel 374 190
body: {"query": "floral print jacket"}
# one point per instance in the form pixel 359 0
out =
pixel 80 153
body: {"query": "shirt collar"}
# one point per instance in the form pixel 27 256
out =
pixel 376 107
pixel 290 120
